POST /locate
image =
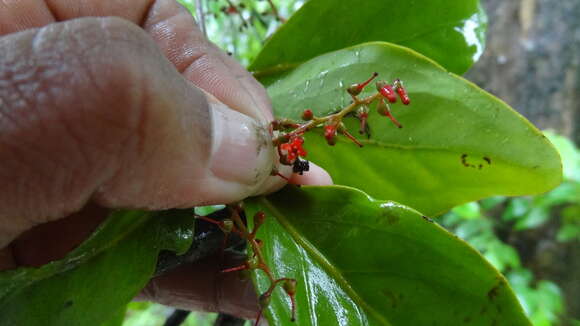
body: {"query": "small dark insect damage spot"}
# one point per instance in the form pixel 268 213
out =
pixel 392 297
pixel 494 322
pixel 494 292
pixel 464 160
pixel 467 319
pixel 475 163
pixel 483 310
pixel 68 304
pixel 427 219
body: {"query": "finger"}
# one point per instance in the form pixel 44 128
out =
pixel 316 176
pixel 16 16
pixel 219 292
pixel 90 109
pixel 201 62
pixel 175 32
pixel 173 29
pixel 56 238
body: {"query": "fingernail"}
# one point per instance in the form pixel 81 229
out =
pixel 241 151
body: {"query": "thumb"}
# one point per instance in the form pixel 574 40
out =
pixel 90 109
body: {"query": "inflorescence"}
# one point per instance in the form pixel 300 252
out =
pixel 289 141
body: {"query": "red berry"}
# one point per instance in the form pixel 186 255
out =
pixel 307 115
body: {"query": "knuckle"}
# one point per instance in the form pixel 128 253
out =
pixel 85 74
pixel 69 93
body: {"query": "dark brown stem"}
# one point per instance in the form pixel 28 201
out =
pixel 275 12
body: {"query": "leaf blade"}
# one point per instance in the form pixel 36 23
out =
pixel 458 141
pixel 431 27
pixel 95 281
pixel 349 237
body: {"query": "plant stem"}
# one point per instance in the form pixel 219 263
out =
pixel 336 116
pixel 200 16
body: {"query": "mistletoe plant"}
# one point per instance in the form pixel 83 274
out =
pixel 364 252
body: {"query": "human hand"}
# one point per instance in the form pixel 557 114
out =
pixel 138 111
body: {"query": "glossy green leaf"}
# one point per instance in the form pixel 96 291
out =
pixel 450 32
pixel 360 261
pixel 458 143
pixel 93 283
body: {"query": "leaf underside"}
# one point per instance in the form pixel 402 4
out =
pixel 93 283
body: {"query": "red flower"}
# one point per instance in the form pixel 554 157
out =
pixel 294 148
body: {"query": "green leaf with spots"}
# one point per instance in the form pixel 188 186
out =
pixel 435 28
pixel 458 143
pixel 360 261
pixel 93 283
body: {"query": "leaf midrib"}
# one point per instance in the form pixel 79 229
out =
pixel 326 265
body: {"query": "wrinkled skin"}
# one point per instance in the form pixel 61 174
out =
pixel 124 104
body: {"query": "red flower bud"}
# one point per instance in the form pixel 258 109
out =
pixel 264 300
pixel 259 219
pixel 383 109
pixel 363 114
pixel 289 286
pixel 387 91
pixel 402 92
pixel 330 134
pixel 227 225
pixel 356 89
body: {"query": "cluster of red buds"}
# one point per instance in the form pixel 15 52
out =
pixel 289 141
pixel 256 261
pixel 289 133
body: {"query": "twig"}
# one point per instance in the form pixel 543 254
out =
pixel 244 21
pixel 228 320
pixel 336 116
pixel 199 12
pixel 275 11
pixel 177 317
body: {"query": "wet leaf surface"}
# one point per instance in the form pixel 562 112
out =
pixel 458 143
pixel 360 261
